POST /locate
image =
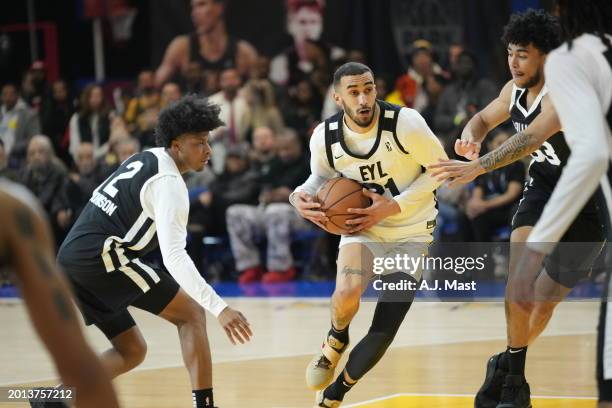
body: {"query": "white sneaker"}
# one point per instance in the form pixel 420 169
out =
pixel 321 401
pixel 320 370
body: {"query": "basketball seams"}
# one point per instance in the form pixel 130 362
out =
pixel 329 189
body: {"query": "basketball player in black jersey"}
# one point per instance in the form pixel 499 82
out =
pixel 529 37
pixel 142 205
pixel 28 251
pixel 209 45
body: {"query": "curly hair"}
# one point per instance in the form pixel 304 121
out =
pixel 191 114
pixel 586 16
pixel 533 26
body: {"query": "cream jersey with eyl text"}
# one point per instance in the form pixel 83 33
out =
pixel 391 159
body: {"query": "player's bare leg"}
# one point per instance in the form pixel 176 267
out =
pixel 128 351
pixel 354 270
pixel 190 320
pixel 548 294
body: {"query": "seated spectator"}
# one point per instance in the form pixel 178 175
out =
pixel 262 105
pixel 495 195
pixel 261 72
pixel 238 184
pixel 85 180
pixel 264 148
pixel 452 223
pixel 55 114
pixel 34 85
pixel 421 87
pixel 209 45
pixel 18 123
pixel 5 171
pixel 236 115
pixel 126 148
pixel 92 123
pixel 273 218
pixel 46 177
pixel 142 110
pixel 462 98
pixel 170 92
pixel 304 110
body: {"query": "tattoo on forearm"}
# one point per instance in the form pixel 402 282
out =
pixel 518 146
pixel 23 219
pixel 350 271
pixel 62 304
pixel 43 265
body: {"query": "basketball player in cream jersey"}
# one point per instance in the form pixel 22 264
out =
pixel 386 148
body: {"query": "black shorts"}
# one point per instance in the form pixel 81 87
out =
pixel 572 260
pixel 103 297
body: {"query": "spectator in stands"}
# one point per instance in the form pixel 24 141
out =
pixel 84 180
pixel 452 220
pixel 34 85
pixel 127 147
pixel 92 123
pixel 421 87
pixel 170 92
pixel 495 195
pixel 274 217
pixel 304 110
pixel 264 148
pixel 18 123
pixel 46 177
pixel 143 110
pixel 236 115
pixel 55 114
pixel 262 105
pixel 210 45
pixel 261 72
pixel 304 22
pixel 462 98
pixel 238 184
pixel 5 171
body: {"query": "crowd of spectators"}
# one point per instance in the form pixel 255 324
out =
pixel 61 143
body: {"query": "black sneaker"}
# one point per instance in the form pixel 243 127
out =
pixel 490 391
pixel 515 393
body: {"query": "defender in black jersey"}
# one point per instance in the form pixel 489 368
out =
pixel 529 37
pixel 142 205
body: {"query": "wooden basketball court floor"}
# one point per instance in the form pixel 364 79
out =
pixel 437 359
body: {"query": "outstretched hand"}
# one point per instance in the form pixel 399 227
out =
pixel 458 172
pixel 236 326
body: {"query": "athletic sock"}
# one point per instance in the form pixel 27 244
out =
pixel 516 360
pixel 203 398
pixel 503 360
pixel 338 388
pixel 340 335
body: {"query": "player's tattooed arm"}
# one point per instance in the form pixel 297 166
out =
pixel 32 238
pixel 513 149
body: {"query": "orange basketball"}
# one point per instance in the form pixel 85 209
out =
pixel 336 196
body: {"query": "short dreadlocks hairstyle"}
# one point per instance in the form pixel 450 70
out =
pixel 191 114
pixel 586 16
pixel 533 26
